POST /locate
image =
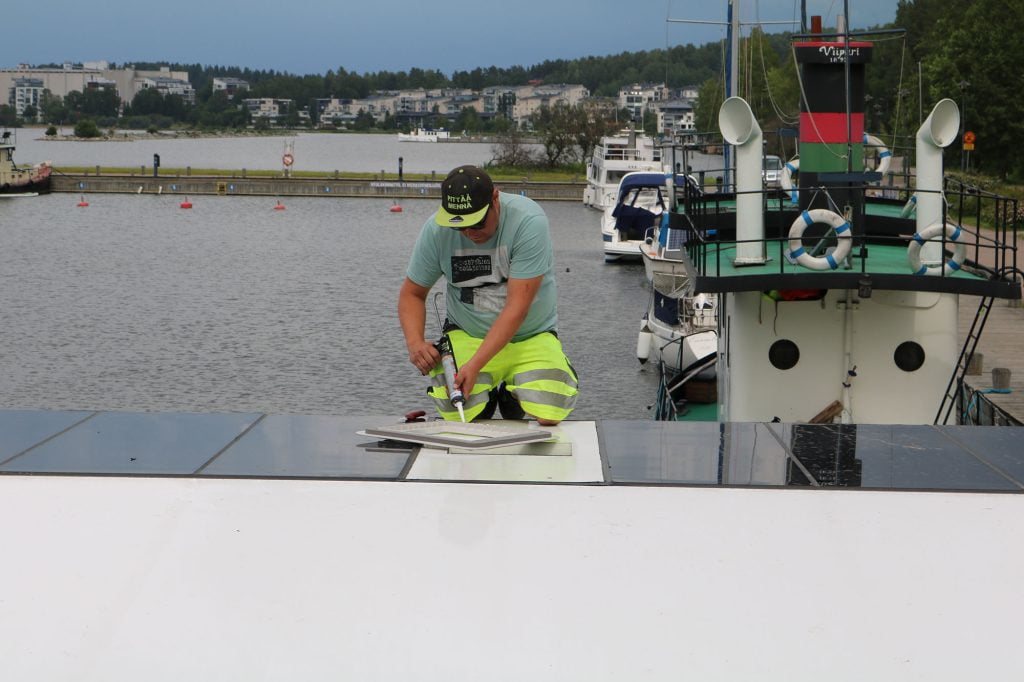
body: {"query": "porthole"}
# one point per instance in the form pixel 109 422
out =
pixel 909 356
pixel 783 354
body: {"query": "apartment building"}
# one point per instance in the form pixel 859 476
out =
pixel 267 107
pixel 641 97
pixel 526 105
pixel 675 116
pixel 168 86
pixel 230 86
pixel 26 92
pixel 128 82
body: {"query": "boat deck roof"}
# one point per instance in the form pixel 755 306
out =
pixel 282 547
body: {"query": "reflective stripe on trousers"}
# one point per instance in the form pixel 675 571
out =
pixel 535 371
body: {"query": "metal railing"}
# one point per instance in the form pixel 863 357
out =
pixel 990 221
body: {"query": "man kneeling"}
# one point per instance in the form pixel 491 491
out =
pixel 494 251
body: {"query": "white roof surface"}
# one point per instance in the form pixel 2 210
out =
pixel 124 578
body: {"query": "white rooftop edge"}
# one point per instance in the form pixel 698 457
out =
pixel 117 578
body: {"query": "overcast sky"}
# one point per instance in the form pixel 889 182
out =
pixel 312 36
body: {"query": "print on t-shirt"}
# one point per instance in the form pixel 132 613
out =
pixel 465 268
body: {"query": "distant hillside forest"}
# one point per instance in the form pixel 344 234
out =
pixel 966 50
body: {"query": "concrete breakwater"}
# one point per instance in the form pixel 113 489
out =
pixel 327 186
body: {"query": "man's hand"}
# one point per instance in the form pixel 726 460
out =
pixel 465 378
pixel 412 312
pixel 424 355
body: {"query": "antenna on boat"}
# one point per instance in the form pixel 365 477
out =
pixel 733 35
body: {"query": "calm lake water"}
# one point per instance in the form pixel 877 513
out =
pixel 136 304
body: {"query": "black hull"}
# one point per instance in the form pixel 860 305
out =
pixel 36 186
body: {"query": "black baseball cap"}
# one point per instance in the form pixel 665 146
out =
pixel 465 196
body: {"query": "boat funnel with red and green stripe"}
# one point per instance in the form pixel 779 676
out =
pixel 831 142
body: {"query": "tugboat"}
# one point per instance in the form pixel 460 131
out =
pixel 16 181
pixel 842 306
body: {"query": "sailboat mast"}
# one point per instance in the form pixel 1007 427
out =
pixel 732 39
pixel 845 30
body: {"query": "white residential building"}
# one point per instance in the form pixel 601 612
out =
pixel 675 116
pixel 24 93
pixel 267 107
pixel 230 86
pixel 501 99
pixel 332 111
pixel 640 97
pixel 455 104
pixel 378 106
pixel 63 80
pixel 168 86
pixel 547 96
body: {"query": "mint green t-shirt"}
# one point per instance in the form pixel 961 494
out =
pixel 477 275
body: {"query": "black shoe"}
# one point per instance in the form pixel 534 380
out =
pixel 509 406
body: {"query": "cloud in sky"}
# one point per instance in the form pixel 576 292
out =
pixel 312 36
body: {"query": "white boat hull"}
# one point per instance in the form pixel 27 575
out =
pixel 423 135
pixel 601 194
pixel 657 263
pixel 676 349
pixel 614 157
pixel 831 338
pixel 616 250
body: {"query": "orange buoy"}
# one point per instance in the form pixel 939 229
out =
pixel 82 202
pixel 396 208
pixel 186 203
pixel 280 206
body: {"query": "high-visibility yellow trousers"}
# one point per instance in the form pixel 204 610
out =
pixel 535 372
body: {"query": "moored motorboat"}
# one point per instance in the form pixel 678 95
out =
pixel 662 248
pixel 614 157
pixel 640 202
pixel 680 327
pixel 424 135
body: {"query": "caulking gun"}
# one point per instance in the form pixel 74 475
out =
pixel 444 347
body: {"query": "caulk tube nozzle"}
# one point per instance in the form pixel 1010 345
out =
pixel 454 394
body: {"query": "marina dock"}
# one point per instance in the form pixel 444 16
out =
pixel 1000 347
pixel 330 185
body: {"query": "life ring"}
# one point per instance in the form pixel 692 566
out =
pixel 830 261
pixel 909 207
pixel 287 159
pixel 953 234
pixel 789 169
pixel 884 155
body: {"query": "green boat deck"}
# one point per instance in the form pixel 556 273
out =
pixel 877 261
